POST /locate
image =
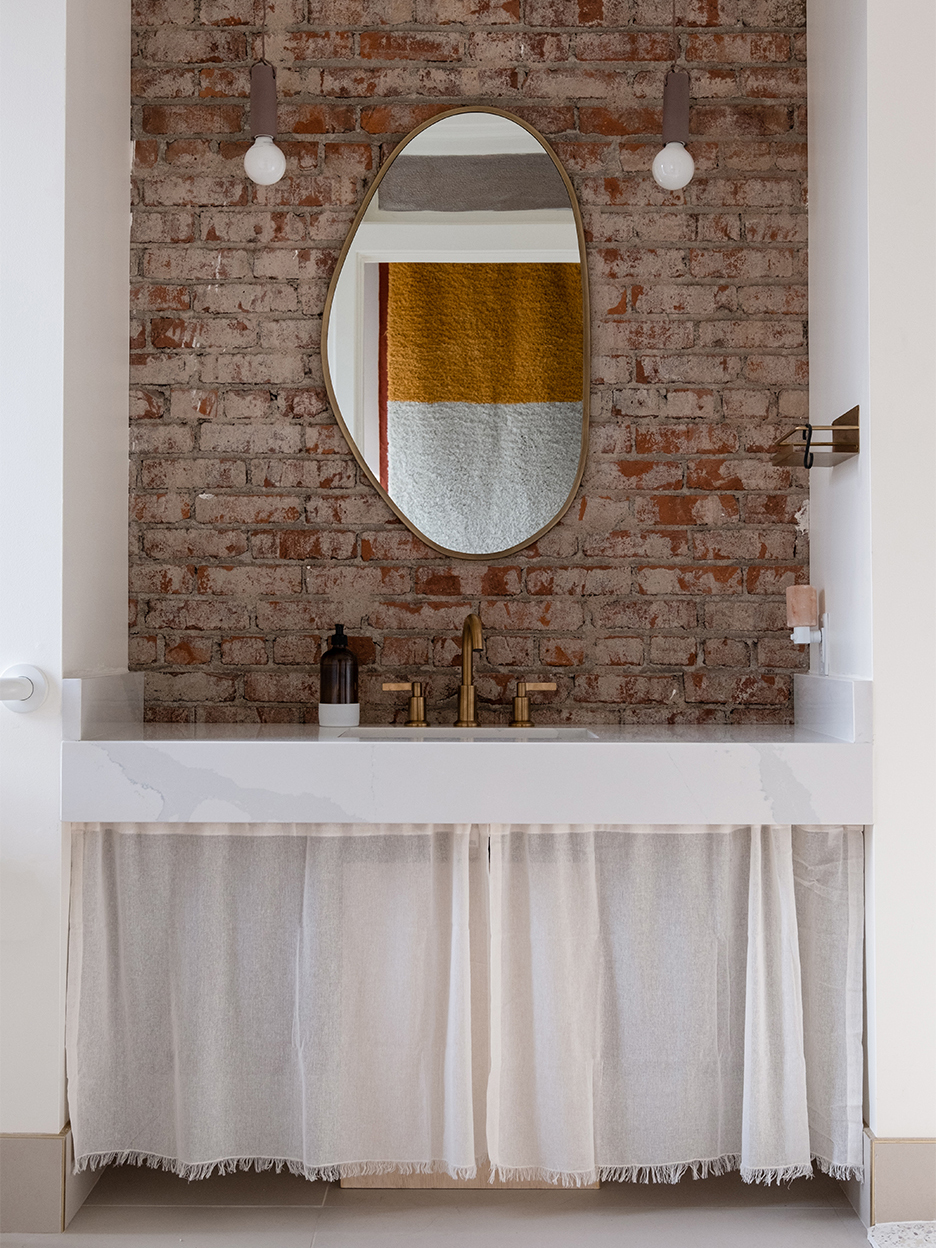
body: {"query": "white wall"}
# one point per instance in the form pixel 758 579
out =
pixel 872 341
pixel 902 283
pixel 64 217
pixel 840 498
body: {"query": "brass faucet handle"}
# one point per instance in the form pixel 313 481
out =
pixel 521 703
pixel 417 702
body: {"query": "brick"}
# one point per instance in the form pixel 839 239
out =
pixel 485 12
pixel 736 49
pixel 162 508
pixel 193 119
pixel 619 651
pixel 184 189
pixel 505 47
pixel 346 583
pixel 315 544
pixel 726 652
pixel 317 45
pixel 736 474
pixel 393 546
pixel 281 687
pixel 624 46
pixel 360 12
pixel 745 615
pixel 424 616
pixel 687 580
pixel 297 650
pixel 699 439
pixel 562 652
pixel 156 84
pixel 673 651
pixel 637 474
pixel 193 473
pixel 249 581
pixel 243 297
pixel 223 83
pixel 398 652
pixel 244 439
pixel 163 12
pixel 194 544
pixel 780 652
pixel 188 651
pixel 161 579
pixel 687 509
pixel 195 613
pixel 244 651
pixel 301 616
pixel 745 544
pixel 163 227
pixel 702 686
pixel 157 298
pixel 787 300
pixel 186 47
pixel 546 613
pixel 263 367
pixel 639 543
pixel 416 46
pixel 631 690
pixel 762 580
pixel 189 687
pixel 774 83
pixel 142 651
pixel 161 439
pixel 248 509
pixel 656 613
pixel 177 333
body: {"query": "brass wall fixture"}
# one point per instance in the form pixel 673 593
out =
pixel 417 702
pixel 521 703
pixel 472 644
pixel 799 449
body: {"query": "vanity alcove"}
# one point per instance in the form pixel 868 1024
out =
pixel 400 955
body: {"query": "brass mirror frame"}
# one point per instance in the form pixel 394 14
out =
pixel 586 333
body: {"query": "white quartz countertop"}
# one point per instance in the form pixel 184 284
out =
pixel 621 775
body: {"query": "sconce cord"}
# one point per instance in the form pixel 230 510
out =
pixel 263 60
pixel 807 453
pixel 675 48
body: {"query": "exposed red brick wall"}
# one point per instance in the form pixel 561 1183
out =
pixel 660 595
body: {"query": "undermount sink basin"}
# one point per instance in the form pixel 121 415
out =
pixel 388 733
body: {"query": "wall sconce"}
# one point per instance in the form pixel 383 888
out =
pixel 673 167
pixel 809 628
pixel 264 163
pixel 799 449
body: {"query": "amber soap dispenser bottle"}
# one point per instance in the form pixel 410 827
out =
pixel 338 692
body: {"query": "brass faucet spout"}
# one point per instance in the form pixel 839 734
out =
pixel 472 640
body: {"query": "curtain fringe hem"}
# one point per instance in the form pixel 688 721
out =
pixel 700 1169
pixel 228 1165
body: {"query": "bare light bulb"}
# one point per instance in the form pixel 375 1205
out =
pixel 673 167
pixel 264 163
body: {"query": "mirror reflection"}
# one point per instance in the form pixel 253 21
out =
pixel 454 336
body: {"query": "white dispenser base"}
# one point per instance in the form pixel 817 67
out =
pixel 339 714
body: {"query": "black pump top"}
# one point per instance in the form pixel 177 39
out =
pixel 339 638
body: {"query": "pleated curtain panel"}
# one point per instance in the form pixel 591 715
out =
pixel 566 1003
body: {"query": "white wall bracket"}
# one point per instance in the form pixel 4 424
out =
pixel 805 635
pixel 23 688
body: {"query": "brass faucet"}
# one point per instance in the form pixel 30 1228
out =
pixel 471 642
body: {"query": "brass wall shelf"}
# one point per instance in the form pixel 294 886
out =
pixel 799 449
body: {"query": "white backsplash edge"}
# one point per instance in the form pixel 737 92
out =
pixel 836 706
pixel 93 706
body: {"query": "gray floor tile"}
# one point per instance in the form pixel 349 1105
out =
pixel 158 1226
pixel 142 1185
pixel 781 1227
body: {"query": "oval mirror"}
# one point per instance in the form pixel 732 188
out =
pixel 455 336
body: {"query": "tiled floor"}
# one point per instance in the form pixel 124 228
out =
pixel 142 1208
